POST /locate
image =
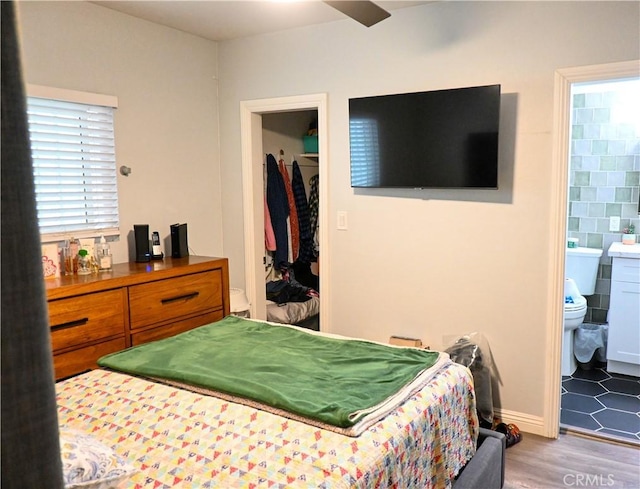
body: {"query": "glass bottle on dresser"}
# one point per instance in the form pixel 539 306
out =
pixel 70 251
pixel 103 255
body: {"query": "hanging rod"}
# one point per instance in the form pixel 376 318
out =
pixel 289 165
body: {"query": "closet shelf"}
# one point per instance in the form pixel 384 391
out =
pixel 310 155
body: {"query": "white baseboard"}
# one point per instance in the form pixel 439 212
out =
pixel 525 422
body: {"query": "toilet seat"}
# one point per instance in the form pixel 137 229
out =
pixel 577 310
pixel 579 303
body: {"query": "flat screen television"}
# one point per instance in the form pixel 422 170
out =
pixel 433 139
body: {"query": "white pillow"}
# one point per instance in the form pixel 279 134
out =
pixel 89 464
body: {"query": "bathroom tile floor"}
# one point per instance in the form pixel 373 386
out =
pixel 596 400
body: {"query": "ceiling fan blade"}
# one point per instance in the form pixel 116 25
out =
pixel 365 12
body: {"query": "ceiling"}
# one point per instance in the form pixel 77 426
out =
pixel 221 20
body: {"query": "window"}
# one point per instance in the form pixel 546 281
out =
pixel 74 165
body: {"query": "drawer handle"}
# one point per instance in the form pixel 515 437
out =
pixel 184 297
pixel 70 324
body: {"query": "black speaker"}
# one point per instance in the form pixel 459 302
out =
pixel 179 246
pixel 141 232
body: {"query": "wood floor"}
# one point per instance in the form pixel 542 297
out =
pixel 571 461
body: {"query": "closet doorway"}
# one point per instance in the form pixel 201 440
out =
pixel 253 157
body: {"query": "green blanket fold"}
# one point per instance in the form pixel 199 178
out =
pixel 323 378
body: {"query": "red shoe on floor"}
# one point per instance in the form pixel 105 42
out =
pixel 511 432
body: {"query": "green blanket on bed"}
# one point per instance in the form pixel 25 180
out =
pixel 323 378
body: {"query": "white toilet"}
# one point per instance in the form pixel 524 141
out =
pixel 581 271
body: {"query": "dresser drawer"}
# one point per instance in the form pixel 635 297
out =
pixel 165 300
pixel 173 329
pixel 83 359
pixel 87 318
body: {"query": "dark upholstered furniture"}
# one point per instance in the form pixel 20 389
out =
pixel 486 469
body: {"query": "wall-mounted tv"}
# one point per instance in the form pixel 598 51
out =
pixel 433 139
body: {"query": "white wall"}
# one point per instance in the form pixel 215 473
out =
pixel 166 126
pixel 431 263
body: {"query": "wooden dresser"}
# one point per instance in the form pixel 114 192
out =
pixel 134 303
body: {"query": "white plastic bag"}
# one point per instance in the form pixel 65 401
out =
pixel 472 350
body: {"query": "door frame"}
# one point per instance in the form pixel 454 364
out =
pixel 564 78
pixel 251 112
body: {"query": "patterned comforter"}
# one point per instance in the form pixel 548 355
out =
pixel 187 440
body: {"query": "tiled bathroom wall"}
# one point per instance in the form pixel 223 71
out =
pixel 604 179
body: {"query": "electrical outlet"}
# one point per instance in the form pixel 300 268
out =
pixel 614 223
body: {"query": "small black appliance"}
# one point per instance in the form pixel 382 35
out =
pixel 179 246
pixel 141 234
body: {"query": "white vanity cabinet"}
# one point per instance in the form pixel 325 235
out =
pixel 623 348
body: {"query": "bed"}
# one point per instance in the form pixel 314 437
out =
pixel 303 314
pixel 173 433
pixel 292 302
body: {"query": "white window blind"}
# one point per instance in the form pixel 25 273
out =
pixel 74 167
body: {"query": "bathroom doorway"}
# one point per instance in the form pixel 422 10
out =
pixel 599 152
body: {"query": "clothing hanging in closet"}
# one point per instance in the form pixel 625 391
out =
pixel 314 199
pixel 269 235
pixel 293 213
pixel 304 223
pixel 279 211
pixel 292 218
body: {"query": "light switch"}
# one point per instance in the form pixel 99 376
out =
pixel 342 220
pixel 614 223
